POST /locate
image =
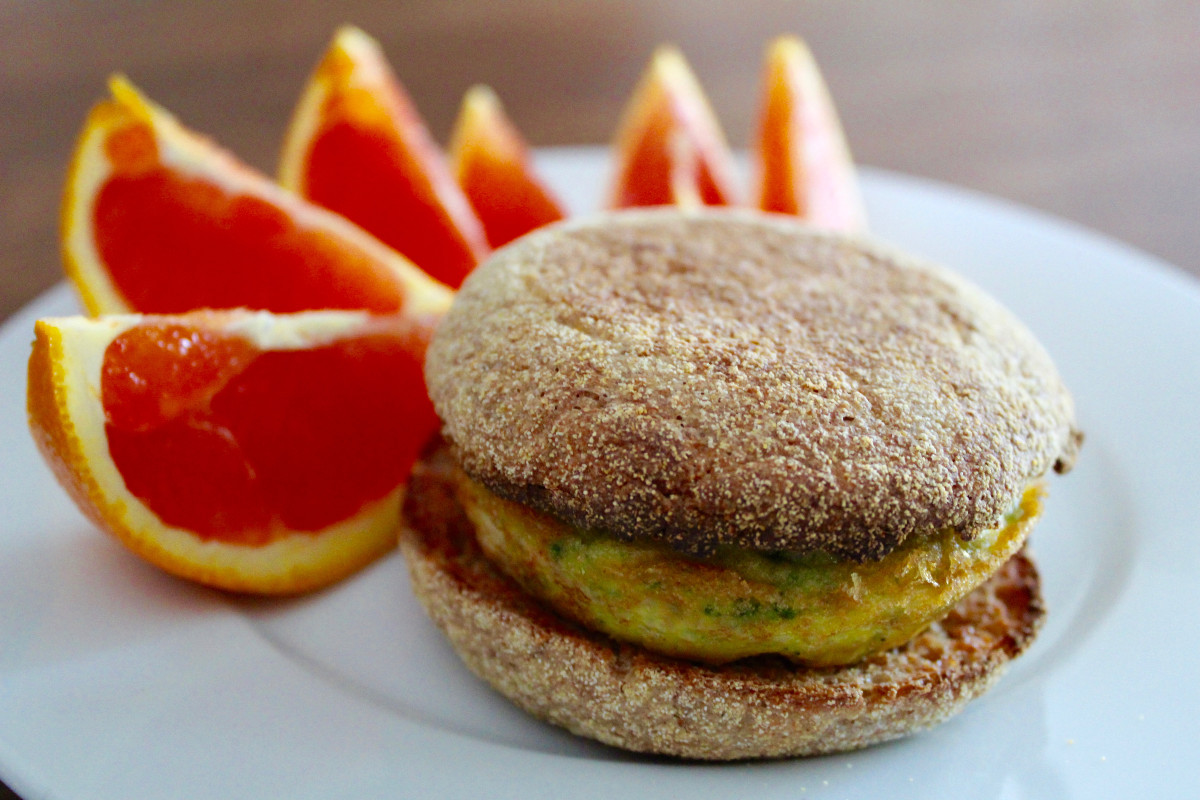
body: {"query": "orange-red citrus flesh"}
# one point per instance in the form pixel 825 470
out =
pixel 357 146
pixel 305 436
pixel 492 164
pixel 802 163
pixel 669 148
pixel 245 450
pixel 157 219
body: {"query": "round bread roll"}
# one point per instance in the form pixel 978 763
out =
pixel 716 377
pixel 631 698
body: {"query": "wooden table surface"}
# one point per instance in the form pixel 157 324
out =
pixel 1090 111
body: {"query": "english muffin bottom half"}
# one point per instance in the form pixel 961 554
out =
pixel 718 485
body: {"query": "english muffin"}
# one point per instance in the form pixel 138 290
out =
pixel 719 485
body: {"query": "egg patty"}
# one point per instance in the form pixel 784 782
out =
pixel 813 609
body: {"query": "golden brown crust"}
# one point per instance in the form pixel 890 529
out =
pixel 713 377
pixel 625 696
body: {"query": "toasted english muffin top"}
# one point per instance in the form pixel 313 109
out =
pixel 731 377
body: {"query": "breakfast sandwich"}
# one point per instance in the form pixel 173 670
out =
pixel 718 485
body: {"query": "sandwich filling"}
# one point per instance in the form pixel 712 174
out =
pixel 812 609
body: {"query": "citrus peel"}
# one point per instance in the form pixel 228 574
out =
pixel 492 164
pixel 157 219
pixel 326 475
pixel 358 146
pixel 669 148
pixel 802 164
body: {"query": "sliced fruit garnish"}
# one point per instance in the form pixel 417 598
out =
pixel 669 148
pixel 244 450
pixel 802 163
pixel 157 219
pixel 492 164
pixel 357 145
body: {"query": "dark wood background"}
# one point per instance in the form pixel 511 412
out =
pixel 1090 111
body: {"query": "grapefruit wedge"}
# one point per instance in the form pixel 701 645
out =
pixel 244 450
pixel 669 148
pixel 357 145
pixel 491 163
pixel 157 219
pixel 802 165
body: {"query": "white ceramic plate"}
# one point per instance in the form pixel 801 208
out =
pixel 118 681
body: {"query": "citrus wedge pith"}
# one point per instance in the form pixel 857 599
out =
pixel 357 145
pixel 491 163
pixel 157 219
pixel 669 148
pixel 802 162
pixel 248 451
